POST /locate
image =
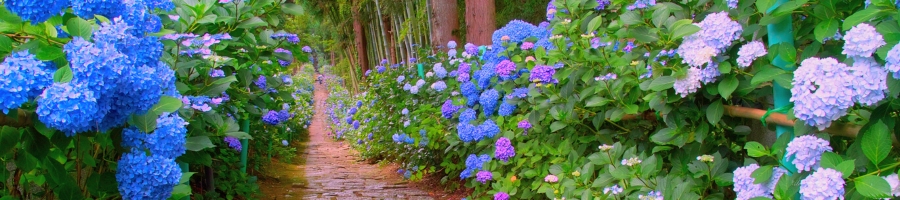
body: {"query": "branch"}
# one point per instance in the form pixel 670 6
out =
pixel 23 119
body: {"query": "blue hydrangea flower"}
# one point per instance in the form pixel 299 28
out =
pixel 168 139
pixel 744 185
pixel 467 132
pixel 601 4
pixel 260 82
pixel 404 111
pixel 870 81
pixel 355 125
pixel 750 52
pixel 284 63
pixel 488 101
pixel 69 107
pixel 488 129
pixel 506 108
pixel 439 70
pixel 806 151
pixel 97 66
pixel 233 143
pixel 22 78
pixel 380 69
pixel 407 86
pixel 306 49
pixel 36 11
pixel 216 73
pixel 825 183
pixel 451 44
pixel 473 163
pixel 689 84
pixel 862 40
pixel 892 61
pixel 439 86
pixel 107 8
pixel 517 31
pixel 467 116
pixel 484 75
pixel 652 195
pixel 503 149
pixel 709 73
pixel 717 32
pixel 551 10
pixel 290 37
pixel 142 176
pixel 470 92
pixel 271 118
pixel 822 91
pixel 732 3
pixel 400 78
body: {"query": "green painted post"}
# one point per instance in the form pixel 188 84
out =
pixel 421 70
pixel 245 145
pixel 781 32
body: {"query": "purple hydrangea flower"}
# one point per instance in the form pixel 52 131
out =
pixel 806 151
pixel 542 74
pixel 448 109
pixel 233 142
pixel 503 149
pixel 822 91
pixel 870 81
pixel 527 46
pixel 501 196
pixel 750 52
pixel 825 183
pixel 483 176
pixel 862 40
pixel 689 84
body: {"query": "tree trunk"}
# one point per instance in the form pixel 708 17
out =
pixel 360 38
pixel 389 31
pixel 444 20
pixel 480 23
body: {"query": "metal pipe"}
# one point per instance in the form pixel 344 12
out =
pixel 245 145
pixel 781 32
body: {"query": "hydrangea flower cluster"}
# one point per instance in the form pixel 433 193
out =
pixel 142 176
pixel 503 149
pixel 488 101
pixel 744 185
pixel 469 91
pixel 806 152
pixel 473 163
pixel 505 69
pixel 822 92
pixel 543 74
pixel 233 143
pixel 440 71
pixel 488 129
pixel 306 49
pixel 271 118
pixel 517 31
pixel 22 78
pixel 862 40
pixel 467 115
pixel 892 61
pixel 284 63
pixel 709 73
pixel 689 84
pixel 641 4
pixel 732 3
pixel 483 176
pixel 484 75
pixel 260 82
pixel 289 37
pixel 506 108
pixel 825 183
pixel 652 195
pixel 613 190
pixel 439 86
pixel 501 196
pixel 36 11
pixel 717 31
pixel 197 45
pixel 216 73
pixel 601 4
pixel 894 181
pixel 750 52
pixel 870 81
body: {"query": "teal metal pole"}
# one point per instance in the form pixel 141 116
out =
pixel 782 32
pixel 245 145
pixel 185 168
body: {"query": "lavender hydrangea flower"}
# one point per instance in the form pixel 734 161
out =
pixel 806 151
pixel 613 190
pixel 505 69
pixel 744 185
pixel 306 49
pixel 503 149
pixel 689 84
pixel 474 162
pixel 892 61
pixel 732 3
pixel 448 109
pixel 641 4
pixel 870 81
pixel 825 183
pixel 862 40
pixel 709 73
pixel 822 91
pixel 271 118
pixel 216 73
pixel 542 74
pixel 750 52
pixel 601 4
pixel 233 142
pixel 894 182
pixel 501 196
pixel 439 86
pixel 717 31
pixel 483 176
pixel 439 70
pixel 652 195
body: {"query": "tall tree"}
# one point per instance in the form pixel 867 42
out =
pixel 480 21
pixel 360 38
pixel 444 20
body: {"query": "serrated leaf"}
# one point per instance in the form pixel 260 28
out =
pixel 756 150
pixel 79 27
pixel 727 86
pixel 9 136
pixel 630 18
pixel 252 23
pixel 662 83
pixel 167 104
pixel 146 122
pixel 766 75
pixel 846 168
pixel 63 75
pixel 877 142
pixel 862 16
pixel 595 23
pixel 293 9
pixel 826 29
pixel 239 135
pixel 762 174
pixel 557 125
pixel 664 136
pixel 198 143
pixel 685 30
pixel 873 187
pixel 596 101
pixel 714 112
pixel 644 34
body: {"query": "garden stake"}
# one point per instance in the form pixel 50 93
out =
pixel 245 126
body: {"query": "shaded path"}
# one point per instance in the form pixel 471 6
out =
pixel 330 171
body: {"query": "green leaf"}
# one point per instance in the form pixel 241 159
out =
pixel 766 75
pixel 239 135
pixel 862 16
pixel 596 101
pixel 252 23
pixel 167 104
pixel 9 136
pixel 293 9
pixel 146 122
pixel 5 44
pixel 763 5
pixel 198 143
pixel 846 168
pixel 714 112
pixel 644 34
pixel 727 86
pixel 756 150
pixel 595 23
pixel 49 53
pixel 685 30
pixel 79 27
pixel 873 187
pixel 877 142
pixel 557 125
pixel 826 29
pixel 186 177
pixel 63 75
pixel 662 83
pixel 664 136
pixel 630 18
pixel 762 174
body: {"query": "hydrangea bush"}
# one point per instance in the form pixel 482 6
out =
pixel 648 100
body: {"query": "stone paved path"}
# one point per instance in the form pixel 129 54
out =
pixel 332 172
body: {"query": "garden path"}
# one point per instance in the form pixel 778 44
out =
pixel 333 172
